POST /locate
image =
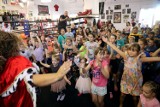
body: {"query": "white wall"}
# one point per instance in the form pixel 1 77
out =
pixel 33 6
pixel 92 4
pixel 135 5
pixel 13 7
pixel 72 6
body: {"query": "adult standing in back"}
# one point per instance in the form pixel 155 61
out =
pixel 63 21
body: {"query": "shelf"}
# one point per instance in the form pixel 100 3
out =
pixel 11 15
pixel 27 21
pixel 89 16
pixel 22 30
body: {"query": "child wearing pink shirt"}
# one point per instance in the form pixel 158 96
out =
pixel 148 97
pixel 100 75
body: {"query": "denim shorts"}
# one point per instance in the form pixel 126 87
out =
pixel 101 91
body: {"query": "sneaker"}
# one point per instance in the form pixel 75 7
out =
pixel 62 97
pixel 59 96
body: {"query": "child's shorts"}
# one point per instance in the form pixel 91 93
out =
pixel 101 91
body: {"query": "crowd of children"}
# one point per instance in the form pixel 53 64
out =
pixel 128 58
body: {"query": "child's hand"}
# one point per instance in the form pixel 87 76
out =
pixel 99 42
pixel 85 56
pixel 81 65
pixel 69 82
pixel 64 51
pixel 40 62
pixel 100 65
pixel 76 57
pixel 104 39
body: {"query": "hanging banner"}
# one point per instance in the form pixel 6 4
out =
pixel 42 9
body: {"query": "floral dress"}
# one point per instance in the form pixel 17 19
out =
pixel 132 79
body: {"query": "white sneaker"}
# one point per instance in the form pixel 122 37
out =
pixel 59 96
pixel 62 97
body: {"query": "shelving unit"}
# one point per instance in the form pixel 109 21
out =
pixel 80 19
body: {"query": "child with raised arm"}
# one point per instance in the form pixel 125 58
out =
pixel 131 82
pixel 114 63
pixel 69 50
pixel 83 83
pixel 68 54
pixel 60 85
pixel 90 46
pixel 100 75
pixel 148 97
pixel 107 58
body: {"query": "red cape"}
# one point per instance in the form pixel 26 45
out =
pixel 21 97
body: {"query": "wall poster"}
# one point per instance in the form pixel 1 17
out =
pixel 43 9
pixel 117 17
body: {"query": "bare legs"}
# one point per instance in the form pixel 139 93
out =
pixel 98 100
pixel 135 100
pixel 122 97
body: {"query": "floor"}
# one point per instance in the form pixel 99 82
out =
pixel 46 98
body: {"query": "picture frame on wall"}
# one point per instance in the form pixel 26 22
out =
pixel 125 18
pixel 30 13
pixel 101 8
pixel 103 16
pixel 127 5
pixel 117 7
pixel 43 9
pixel 117 17
pixel 128 11
pixel 107 12
pixel 110 17
pixel 123 11
pixel 111 11
pixel 133 15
